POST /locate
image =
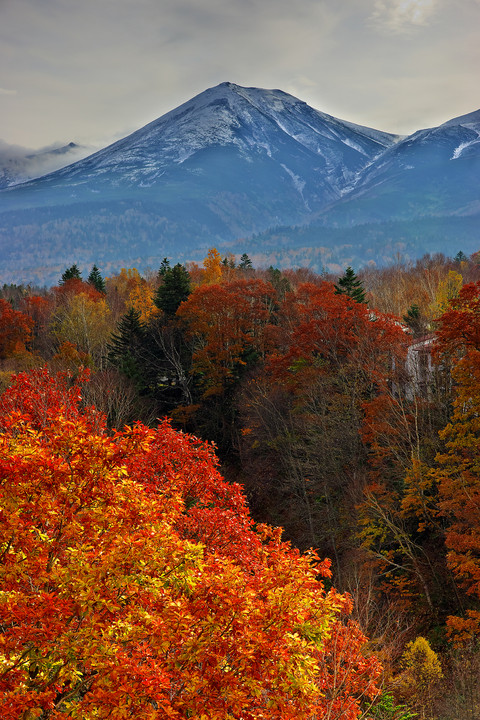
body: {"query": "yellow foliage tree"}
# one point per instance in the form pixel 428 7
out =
pixel 447 290
pixel 125 281
pixel 86 323
pixel 141 299
pixel 422 673
pixel 213 267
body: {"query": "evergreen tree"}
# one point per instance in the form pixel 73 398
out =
pixel 245 263
pixel 125 348
pixel 164 267
pixel 97 280
pixel 174 289
pixel 71 273
pixel 414 320
pixel 350 285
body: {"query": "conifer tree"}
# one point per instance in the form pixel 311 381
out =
pixel 414 320
pixel 245 263
pixel 97 280
pixel 279 281
pixel 164 267
pixel 124 349
pixel 174 289
pixel 71 273
pixel 350 285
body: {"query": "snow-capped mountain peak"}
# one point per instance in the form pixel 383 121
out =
pixel 236 161
pixel 249 120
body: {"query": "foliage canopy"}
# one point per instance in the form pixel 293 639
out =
pixel 134 582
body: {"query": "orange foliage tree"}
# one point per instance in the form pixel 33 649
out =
pixel 458 467
pixel 226 322
pixel 134 584
pixel 230 330
pixel 213 267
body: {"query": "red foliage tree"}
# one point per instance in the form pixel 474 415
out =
pixel 76 286
pixel 15 330
pixel 135 586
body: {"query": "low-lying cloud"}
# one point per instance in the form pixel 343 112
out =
pixel 18 164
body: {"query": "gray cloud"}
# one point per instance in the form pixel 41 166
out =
pixel 402 15
pixel 94 70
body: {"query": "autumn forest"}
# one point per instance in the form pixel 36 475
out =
pixel 231 493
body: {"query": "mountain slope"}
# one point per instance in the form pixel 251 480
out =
pixel 229 168
pixel 230 162
pixel 432 173
pixel 305 155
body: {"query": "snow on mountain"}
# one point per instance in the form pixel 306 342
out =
pixel 232 163
pixel 251 122
pixel 470 120
pixel 417 177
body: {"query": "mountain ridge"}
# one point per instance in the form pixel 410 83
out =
pixel 233 163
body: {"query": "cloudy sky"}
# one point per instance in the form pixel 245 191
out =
pixel 92 71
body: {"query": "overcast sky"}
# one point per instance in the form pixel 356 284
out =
pixel 92 71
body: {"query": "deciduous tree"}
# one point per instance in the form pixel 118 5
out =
pixel 457 470
pixel 135 586
pixel 86 322
pixel 15 330
pixel 302 417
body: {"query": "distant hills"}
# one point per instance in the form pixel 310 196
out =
pixel 249 170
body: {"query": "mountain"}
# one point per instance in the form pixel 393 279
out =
pixel 228 163
pixel 19 164
pixel 421 195
pixel 434 172
pixel 252 170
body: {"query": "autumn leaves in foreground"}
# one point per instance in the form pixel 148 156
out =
pixel 136 586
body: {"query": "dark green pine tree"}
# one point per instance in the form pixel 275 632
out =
pixel 71 273
pixel 350 285
pixel 164 267
pixel 97 280
pixel 245 263
pixel 415 321
pixel 125 348
pixel 174 289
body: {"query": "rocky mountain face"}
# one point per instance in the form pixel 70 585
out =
pixel 243 168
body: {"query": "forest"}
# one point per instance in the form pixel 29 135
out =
pixel 240 493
